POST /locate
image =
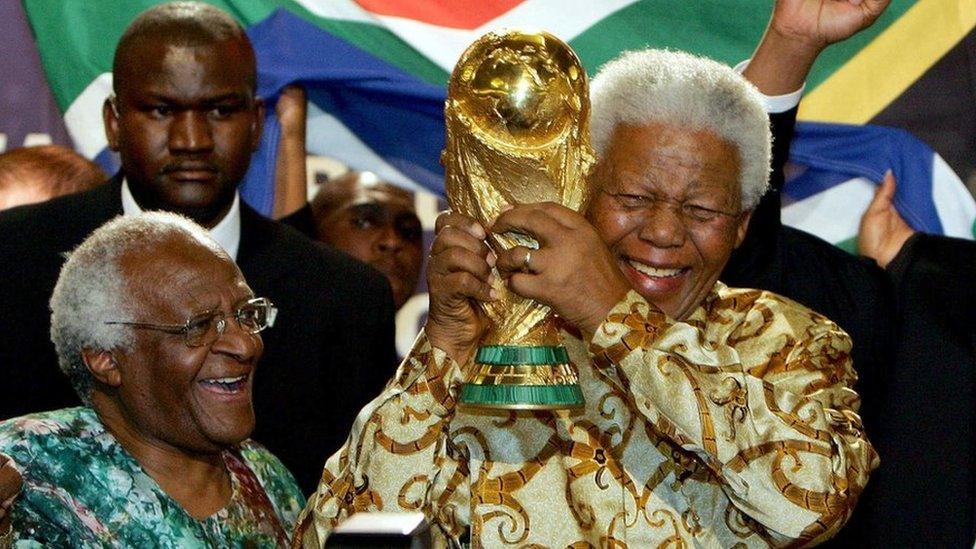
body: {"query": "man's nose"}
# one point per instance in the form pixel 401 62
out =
pixel 663 225
pixel 389 240
pixel 190 132
pixel 237 342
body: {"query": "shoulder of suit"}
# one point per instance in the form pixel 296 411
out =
pixel 316 261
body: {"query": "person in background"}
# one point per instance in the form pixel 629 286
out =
pixel 158 332
pixel 372 220
pixel 34 174
pixel 185 120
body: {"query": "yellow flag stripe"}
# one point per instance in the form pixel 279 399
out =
pixel 894 60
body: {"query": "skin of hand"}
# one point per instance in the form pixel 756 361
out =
pixel 290 171
pixel 10 485
pixel 458 274
pixel 883 231
pixel 572 271
pixel 798 31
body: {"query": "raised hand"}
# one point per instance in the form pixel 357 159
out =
pixel 883 231
pixel 824 22
pixel 798 31
pixel 572 271
pixel 458 273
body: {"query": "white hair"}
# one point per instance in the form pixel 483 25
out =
pixel 92 290
pixel 677 88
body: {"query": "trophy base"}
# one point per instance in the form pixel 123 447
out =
pixel 511 377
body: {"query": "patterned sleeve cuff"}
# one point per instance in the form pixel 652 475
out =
pixel 440 375
pixel 631 324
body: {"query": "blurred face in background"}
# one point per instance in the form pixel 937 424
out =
pixel 376 223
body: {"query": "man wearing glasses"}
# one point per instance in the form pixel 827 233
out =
pixel 184 119
pixel 159 334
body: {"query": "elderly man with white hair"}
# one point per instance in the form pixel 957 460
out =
pixel 159 334
pixel 714 416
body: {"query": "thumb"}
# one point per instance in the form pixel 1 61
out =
pixel 884 195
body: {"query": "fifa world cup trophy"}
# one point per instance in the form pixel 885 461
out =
pixel 518 132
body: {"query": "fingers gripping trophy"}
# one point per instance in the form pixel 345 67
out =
pixel 517 117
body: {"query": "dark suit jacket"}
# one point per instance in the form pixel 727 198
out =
pixel 330 352
pixel 924 493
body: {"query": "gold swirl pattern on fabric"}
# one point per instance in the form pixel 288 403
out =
pixel 685 439
pixel 517 118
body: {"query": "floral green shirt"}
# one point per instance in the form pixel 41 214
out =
pixel 82 489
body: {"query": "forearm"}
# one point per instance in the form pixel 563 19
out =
pixel 763 429
pixel 394 452
pixel 780 64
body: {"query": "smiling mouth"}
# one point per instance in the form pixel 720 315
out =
pixel 655 272
pixel 226 385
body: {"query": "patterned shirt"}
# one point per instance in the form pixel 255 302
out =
pixel 82 489
pixel 734 428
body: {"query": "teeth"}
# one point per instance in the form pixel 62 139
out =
pixel 651 271
pixel 226 380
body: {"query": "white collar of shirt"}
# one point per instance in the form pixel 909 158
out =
pixel 227 232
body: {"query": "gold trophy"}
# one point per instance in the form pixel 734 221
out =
pixel 517 117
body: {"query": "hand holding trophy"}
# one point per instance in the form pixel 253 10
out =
pixel 518 132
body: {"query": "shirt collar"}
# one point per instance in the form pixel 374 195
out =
pixel 227 232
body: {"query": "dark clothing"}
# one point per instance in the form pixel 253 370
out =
pixel 329 353
pixel 303 220
pixel 924 493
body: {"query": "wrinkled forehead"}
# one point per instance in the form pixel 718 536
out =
pixel 180 273
pixel 659 154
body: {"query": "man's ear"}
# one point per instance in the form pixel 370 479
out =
pixel 258 125
pixel 110 117
pixel 743 228
pixel 103 367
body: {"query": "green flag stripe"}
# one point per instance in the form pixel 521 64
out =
pixel 77 39
pixel 378 41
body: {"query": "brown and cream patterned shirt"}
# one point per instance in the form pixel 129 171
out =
pixel 735 427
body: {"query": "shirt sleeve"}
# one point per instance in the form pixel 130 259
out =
pixel 774 104
pixel 764 402
pixel 386 463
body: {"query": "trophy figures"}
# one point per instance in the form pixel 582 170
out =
pixel 518 132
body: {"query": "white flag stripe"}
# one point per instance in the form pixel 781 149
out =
pixel 84 117
pixel 955 205
pixel 833 215
pixel 444 45
pixel 328 136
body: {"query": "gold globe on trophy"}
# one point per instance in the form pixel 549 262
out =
pixel 517 117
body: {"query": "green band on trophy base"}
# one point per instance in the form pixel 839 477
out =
pixel 517 355
pixel 521 397
pixel 500 363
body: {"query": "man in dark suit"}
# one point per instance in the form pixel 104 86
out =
pixel 185 120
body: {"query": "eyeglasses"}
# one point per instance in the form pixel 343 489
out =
pixel 204 329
